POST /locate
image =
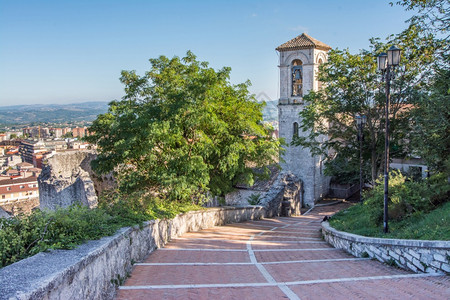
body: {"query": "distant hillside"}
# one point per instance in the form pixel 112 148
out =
pixel 53 113
pixel 270 111
pixel 78 112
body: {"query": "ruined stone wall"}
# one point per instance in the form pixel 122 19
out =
pixel 282 197
pixel 285 197
pixel 67 178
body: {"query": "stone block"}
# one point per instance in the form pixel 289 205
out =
pixel 445 267
pixel 411 267
pixel 394 255
pixel 440 257
pixel 426 258
pixel 436 264
pixel 414 254
pixel 417 263
pixel 407 256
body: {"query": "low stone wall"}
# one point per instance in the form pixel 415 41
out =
pixel 94 270
pixel 415 255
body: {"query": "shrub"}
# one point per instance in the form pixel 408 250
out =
pixel 406 197
pixel 23 236
pixel 254 199
pixel 417 210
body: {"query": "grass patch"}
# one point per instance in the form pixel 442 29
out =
pixel 23 236
pixel 434 225
pixel 417 210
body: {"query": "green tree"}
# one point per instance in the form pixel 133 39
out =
pixel 67 135
pixel 430 138
pixel 431 119
pixel 182 130
pixel 432 15
pixel 353 86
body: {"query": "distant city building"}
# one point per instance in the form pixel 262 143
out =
pixel 79 132
pixel 80 145
pixel 40 157
pixel 7 161
pixel 12 190
pixel 28 148
pixel 27 132
pixel 66 130
pixel 24 166
pixel 57 132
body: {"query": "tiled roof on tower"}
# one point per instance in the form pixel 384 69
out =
pixel 303 41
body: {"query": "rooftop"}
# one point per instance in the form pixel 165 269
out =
pixel 302 41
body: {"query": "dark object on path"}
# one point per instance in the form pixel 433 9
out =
pixel 326 218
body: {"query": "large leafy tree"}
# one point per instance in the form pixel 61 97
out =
pixel 431 15
pixel 431 115
pixel 431 120
pixel 182 130
pixel 352 86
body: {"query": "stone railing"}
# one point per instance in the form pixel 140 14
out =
pixel 94 270
pixel 415 255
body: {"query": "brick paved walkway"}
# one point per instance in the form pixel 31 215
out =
pixel 282 258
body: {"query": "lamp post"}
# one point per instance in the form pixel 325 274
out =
pixel 385 62
pixel 360 122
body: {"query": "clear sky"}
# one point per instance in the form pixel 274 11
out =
pixel 73 51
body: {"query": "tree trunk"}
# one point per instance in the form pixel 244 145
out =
pixel 373 161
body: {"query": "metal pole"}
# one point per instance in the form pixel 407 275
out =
pixel 386 152
pixel 360 162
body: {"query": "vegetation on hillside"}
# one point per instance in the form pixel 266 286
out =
pixel 23 236
pixel 417 210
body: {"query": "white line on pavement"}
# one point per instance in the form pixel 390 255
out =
pixel 242 250
pixel 250 263
pixel 363 278
pixel 254 241
pixel 200 249
pixel 263 284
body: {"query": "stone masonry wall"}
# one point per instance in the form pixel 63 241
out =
pixel 93 270
pixel 415 255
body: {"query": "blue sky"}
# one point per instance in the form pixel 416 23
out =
pixel 73 51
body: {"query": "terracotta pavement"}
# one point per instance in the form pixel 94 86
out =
pixel 281 258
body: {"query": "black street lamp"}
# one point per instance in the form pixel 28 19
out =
pixel 385 62
pixel 360 122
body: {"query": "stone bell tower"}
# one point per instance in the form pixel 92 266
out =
pixel 299 61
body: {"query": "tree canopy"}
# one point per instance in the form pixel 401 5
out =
pixel 353 86
pixel 182 130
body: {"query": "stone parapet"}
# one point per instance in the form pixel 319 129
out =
pixel 95 269
pixel 416 255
